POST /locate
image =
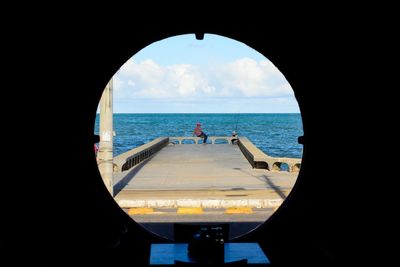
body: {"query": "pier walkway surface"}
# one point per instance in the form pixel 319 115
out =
pixel 200 175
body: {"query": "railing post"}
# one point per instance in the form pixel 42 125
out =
pixel 105 153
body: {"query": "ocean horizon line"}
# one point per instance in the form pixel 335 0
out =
pixel 274 133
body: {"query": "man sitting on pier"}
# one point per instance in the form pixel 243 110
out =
pixel 199 132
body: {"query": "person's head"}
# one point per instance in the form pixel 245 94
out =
pixel 198 124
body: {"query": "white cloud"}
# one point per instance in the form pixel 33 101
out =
pixel 153 93
pixel 251 78
pixel 285 90
pixel 117 84
pixel 146 70
pixel 243 77
pixel 185 79
pixel 269 68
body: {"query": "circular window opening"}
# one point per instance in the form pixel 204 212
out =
pixel 198 132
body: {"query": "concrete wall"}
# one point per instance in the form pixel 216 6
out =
pixel 259 160
pixel 127 160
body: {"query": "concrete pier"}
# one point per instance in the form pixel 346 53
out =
pixel 201 175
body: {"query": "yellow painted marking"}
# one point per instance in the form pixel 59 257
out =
pixel 190 211
pixel 239 210
pixel 133 211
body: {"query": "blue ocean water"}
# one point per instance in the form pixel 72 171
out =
pixel 275 134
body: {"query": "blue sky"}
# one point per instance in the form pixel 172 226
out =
pixel 214 75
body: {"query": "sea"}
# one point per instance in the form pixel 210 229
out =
pixel 274 133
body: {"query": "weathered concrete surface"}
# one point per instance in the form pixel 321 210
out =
pixel 201 198
pixel 201 175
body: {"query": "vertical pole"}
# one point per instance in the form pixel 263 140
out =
pixel 105 153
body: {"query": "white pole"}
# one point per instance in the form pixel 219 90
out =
pixel 105 153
